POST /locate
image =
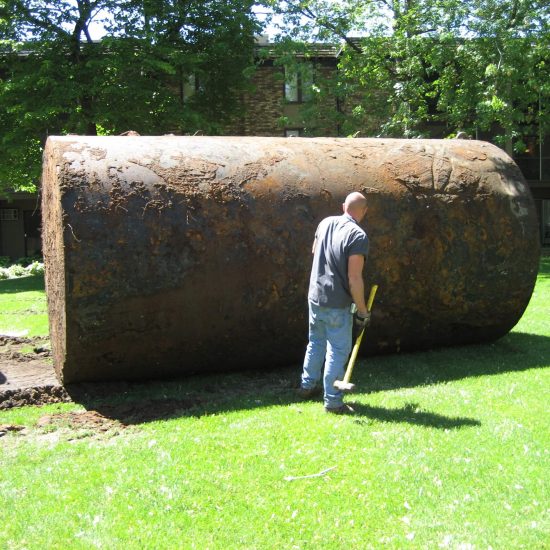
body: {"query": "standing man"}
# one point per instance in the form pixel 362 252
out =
pixel 340 249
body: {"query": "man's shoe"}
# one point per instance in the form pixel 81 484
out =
pixel 342 409
pixel 309 393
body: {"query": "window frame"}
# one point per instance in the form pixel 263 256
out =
pixel 298 74
pixel 545 222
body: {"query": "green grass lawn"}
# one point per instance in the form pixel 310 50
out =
pixel 449 449
pixel 23 310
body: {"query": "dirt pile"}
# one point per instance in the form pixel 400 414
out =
pixel 27 376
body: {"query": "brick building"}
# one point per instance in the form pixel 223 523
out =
pixel 280 93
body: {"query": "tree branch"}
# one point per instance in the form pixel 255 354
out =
pixel 81 26
pixel 87 34
pixel 387 4
pixel 40 23
pixel 331 27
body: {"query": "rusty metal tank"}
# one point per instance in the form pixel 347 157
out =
pixel 173 255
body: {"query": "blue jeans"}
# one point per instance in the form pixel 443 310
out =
pixel 329 344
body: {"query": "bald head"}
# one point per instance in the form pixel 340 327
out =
pixel 356 206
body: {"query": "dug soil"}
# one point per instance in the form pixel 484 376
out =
pixel 27 376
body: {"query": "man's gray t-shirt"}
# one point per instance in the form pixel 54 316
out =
pixel 336 239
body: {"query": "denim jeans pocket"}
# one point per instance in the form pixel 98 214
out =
pixel 336 318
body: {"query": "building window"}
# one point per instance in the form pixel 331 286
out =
pixel 9 214
pixel 531 160
pixel 545 222
pixel 191 85
pixel 293 132
pixel 298 83
pixel 31 226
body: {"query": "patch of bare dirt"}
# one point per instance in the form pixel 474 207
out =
pixel 22 349
pixel 7 428
pixel 110 417
pixel 147 410
pixel 80 420
pixel 27 375
pixel 39 395
pixel 108 421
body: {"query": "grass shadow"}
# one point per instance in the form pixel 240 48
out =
pixel 141 402
pixel 412 413
pixel 198 395
pixel 514 352
pixel 544 267
pixel 22 284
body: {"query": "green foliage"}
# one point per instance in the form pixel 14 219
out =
pixel 54 79
pixel 21 269
pixel 475 65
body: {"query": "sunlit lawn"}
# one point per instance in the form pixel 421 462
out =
pixel 449 449
pixel 23 310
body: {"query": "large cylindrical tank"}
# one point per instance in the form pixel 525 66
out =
pixel 171 255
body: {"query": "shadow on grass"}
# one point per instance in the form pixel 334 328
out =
pixel 199 395
pixel 195 396
pixel 22 284
pixel 544 267
pixel 411 413
pixel 514 352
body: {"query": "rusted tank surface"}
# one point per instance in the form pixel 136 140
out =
pixel 172 255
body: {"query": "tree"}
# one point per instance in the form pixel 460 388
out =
pixel 56 79
pixel 434 65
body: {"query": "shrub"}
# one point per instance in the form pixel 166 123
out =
pixel 36 268
pixel 28 260
pixel 17 270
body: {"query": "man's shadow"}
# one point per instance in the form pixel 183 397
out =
pixel 411 413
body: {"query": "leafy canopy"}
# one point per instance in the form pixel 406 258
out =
pixel 444 65
pixel 161 66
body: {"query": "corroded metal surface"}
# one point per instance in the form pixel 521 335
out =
pixel 171 255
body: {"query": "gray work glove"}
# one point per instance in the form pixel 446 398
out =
pixel 360 322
